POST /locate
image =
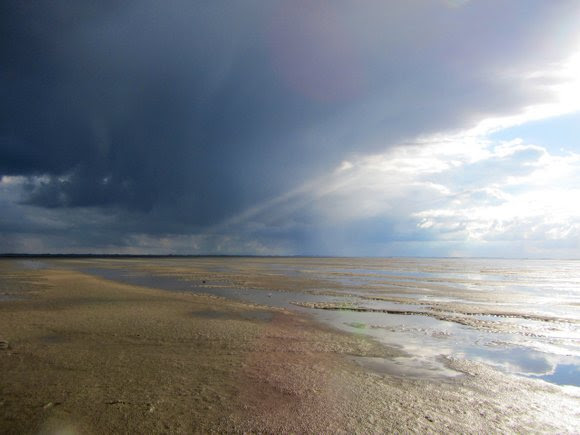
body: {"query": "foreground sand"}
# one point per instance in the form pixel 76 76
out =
pixel 95 356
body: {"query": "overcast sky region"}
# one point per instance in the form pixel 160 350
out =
pixel 291 127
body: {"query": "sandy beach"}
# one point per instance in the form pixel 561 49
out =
pixel 89 355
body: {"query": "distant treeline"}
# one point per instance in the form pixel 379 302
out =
pixel 12 255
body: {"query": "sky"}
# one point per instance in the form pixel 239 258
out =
pixel 291 127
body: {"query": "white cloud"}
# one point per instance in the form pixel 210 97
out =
pixel 560 82
pixel 538 204
pixel 462 189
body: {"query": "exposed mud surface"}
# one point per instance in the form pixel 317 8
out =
pixel 89 355
pixel 518 316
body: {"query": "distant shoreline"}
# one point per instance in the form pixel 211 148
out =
pixel 89 255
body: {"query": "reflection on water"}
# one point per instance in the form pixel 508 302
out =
pixel 563 374
pixel 437 308
pixel 513 359
pixel 407 366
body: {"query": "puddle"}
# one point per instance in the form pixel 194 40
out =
pixel 529 363
pixel 563 374
pixel 411 367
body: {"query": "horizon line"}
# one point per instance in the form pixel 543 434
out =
pixel 93 255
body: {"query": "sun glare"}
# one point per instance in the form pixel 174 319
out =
pixel 561 82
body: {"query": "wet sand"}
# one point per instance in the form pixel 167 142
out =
pixel 96 356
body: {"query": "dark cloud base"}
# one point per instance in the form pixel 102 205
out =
pixel 169 117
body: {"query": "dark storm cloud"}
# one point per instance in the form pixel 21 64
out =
pixel 182 113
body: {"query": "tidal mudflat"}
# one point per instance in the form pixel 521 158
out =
pixel 521 317
pixel 288 345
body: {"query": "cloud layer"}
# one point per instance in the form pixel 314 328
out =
pixel 144 121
